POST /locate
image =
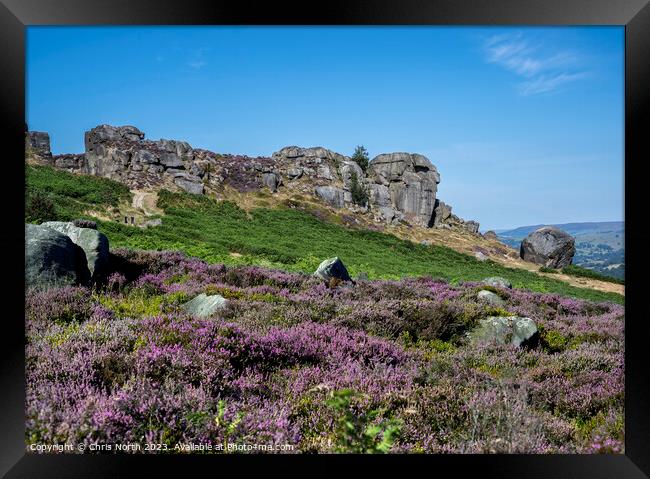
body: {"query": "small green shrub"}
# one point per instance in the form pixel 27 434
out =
pixel 360 433
pixel 544 269
pixel 228 426
pixel 552 341
pixel 39 208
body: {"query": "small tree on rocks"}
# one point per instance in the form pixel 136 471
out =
pixel 359 194
pixel 360 156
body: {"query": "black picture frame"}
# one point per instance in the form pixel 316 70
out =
pixel 15 15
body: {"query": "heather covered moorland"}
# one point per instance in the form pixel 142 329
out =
pixel 382 366
pixel 215 263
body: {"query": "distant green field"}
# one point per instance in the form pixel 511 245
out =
pixel 282 238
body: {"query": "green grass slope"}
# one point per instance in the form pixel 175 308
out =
pixel 284 238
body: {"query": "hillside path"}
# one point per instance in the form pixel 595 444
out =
pixel 146 201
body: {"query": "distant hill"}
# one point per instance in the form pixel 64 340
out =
pixel 600 246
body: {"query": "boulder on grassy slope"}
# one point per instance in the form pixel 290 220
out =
pixel 332 268
pixel 548 246
pixel 52 259
pixel 94 244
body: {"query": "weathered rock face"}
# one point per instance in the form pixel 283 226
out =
pixel 70 162
pixel 190 184
pixel 444 218
pixel 331 195
pixel 442 212
pixel 332 268
pixel 548 246
pixel 348 169
pixel 316 163
pixel 401 187
pixel 412 182
pixel 52 259
pixel 93 243
pixel 513 330
pixel 37 143
pixel 121 153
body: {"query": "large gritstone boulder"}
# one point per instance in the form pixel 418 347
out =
pixel 332 268
pixel 412 183
pixel 109 150
pixel 94 244
pixel 548 246
pixel 52 259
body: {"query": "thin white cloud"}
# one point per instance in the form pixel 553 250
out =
pixel 548 83
pixel 197 64
pixel 542 71
pixel 198 59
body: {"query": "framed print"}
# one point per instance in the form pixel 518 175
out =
pixel 407 231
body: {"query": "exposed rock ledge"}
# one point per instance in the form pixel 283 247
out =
pixel 401 187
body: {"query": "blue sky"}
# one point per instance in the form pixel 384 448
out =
pixel 525 125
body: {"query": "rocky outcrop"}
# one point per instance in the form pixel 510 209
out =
pixel 400 187
pixel 548 246
pixel 412 183
pixel 37 144
pixel 441 213
pixel 444 218
pixel 189 183
pixel 52 259
pixel 121 153
pixel 315 162
pixel 93 243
